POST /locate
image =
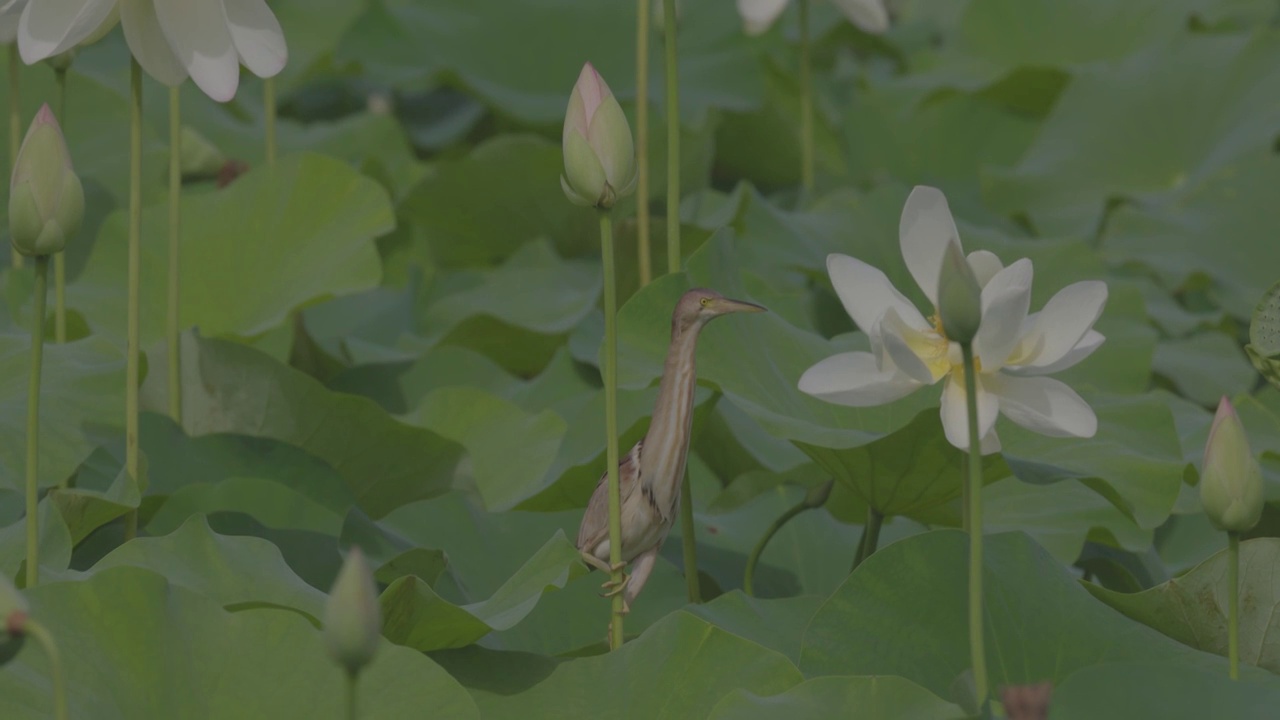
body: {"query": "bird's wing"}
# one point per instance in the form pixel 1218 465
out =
pixel 595 521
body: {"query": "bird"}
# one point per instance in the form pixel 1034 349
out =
pixel 649 476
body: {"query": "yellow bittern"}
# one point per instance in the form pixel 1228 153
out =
pixel 649 476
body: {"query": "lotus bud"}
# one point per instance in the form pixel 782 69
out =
pixel 199 157
pixel 818 495
pixel 46 201
pixel 352 617
pixel 599 154
pixel 1231 481
pixel 959 297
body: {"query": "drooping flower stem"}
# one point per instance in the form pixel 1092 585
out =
pixel 269 107
pixel 353 679
pixel 806 103
pixel 754 558
pixel 870 537
pixel 687 528
pixel 60 259
pixel 1233 601
pixel 611 421
pixel 132 344
pixel 33 419
pixel 15 119
pixel 977 653
pixel 175 224
pixel 42 635
pixel 642 141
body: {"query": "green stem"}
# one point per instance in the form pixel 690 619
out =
pixel 1233 602
pixel 352 705
pixel 870 537
pixel 42 635
pixel 33 420
pixel 269 106
pixel 132 351
pixel 806 103
pixel 60 259
pixel 175 221
pixel 964 497
pixel 611 421
pixel 642 141
pixel 15 121
pixel 689 539
pixel 976 651
pixel 753 559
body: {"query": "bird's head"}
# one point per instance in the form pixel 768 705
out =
pixel 700 305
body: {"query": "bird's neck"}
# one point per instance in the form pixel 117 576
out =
pixel 667 442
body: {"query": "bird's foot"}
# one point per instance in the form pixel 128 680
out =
pixel 595 562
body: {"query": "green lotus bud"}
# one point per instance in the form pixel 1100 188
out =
pixel 818 495
pixel 352 617
pixel 959 297
pixel 599 154
pixel 199 157
pixel 46 202
pixel 1231 481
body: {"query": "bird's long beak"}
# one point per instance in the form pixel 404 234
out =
pixel 727 305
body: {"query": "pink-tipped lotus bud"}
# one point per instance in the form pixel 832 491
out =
pixel 13 616
pixel 352 617
pixel 1231 481
pixel 46 201
pixel 599 154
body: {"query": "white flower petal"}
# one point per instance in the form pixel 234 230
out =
pixel 990 443
pixel 894 334
pixel 985 265
pixel 925 228
pixel 867 293
pixel 869 15
pixel 1065 320
pixel 1005 301
pixel 853 379
pixel 147 42
pixel 10 16
pixel 1044 405
pixel 257 36
pixel 758 15
pixel 50 27
pixel 197 32
pixel 955 413
pixel 1091 341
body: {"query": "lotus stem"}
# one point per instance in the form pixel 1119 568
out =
pixel 642 141
pixel 15 122
pixel 33 420
pixel 175 225
pixel 60 258
pixel 42 635
pixel 977 653
pixel 353 679
pixel 748 577
pixel 1233 602
pixel 870 537
pixel 806 103
pixel 611 422
pixel 132 351
pixel 269 106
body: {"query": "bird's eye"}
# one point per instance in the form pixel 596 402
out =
pixel 704 301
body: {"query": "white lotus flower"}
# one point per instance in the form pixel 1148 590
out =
pixel 1013 350
pixel 10 13
pixel 171 39
pixel 759 15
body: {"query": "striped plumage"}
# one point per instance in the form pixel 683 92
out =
pixel 649 476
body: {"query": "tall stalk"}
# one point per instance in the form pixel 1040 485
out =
pixel 870 538
pixel 976 651
pixel 269 106
pixel 748 577
pixel 15 121
pixel 687 529
pixel 806 103
pixel 353 706
pixel 33 419
pixel 60 258
pixel 132 351
pixel 1233 601
pixel 642 141
pixel 175 225
pixel 611 423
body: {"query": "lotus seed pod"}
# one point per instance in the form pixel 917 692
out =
pixel 1231 481
pixel 599 153
pixel 959 297
pixel 352 617
pixel 46 201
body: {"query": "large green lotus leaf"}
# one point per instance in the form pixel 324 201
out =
pixel 138 645
pixel 1192 608
pixel 414 615
pixel 1127 690
pixel 230 388
pixel 777 624
pixel 876 696
pixel 904 612
pixel 523 59
pixel 313 30
pixel 375 326
pixel 1060 517
pixel 82 386
pixel 1264 336
pixel 1132 117
pixel 1205 367
pixel 103 491
pixel 680 668
pixel 272 241
pixel 236 572
pixel 267 501
pixel 1218 230
pixel 54 543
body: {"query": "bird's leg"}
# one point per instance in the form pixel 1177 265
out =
pixel 596 562
pixel 641 568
